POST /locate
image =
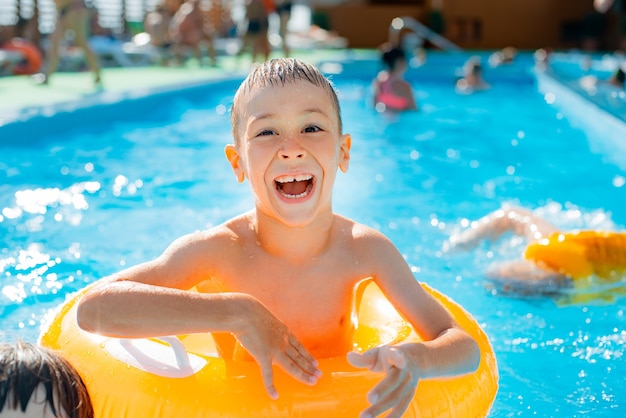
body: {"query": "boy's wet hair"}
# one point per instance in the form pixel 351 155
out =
pixel 279 72
pixel 25 366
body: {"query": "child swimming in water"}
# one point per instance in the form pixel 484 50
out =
pixel 284 274
pixel 391 90
pixel 472 80
pixel 552 258
pixel 37 382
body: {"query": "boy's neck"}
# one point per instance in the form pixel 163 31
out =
pixel 290 242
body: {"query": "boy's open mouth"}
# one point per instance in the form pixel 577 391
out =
pixel 294 187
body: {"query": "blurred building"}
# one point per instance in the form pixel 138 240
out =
pixel 471 24
pixel 481 24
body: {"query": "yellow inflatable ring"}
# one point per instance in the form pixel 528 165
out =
pixel 582 254
pixel 204 385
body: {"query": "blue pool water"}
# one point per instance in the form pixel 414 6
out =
pixel 80 203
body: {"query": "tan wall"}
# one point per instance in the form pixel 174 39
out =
pixel 366 26
pixel 472 24
pixel 524 24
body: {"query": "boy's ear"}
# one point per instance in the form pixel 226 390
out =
pixel 344 156
pixel 235 162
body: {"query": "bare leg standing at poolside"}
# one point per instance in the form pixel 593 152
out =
pixel 71 15
pixel 283 9
pixel 255 34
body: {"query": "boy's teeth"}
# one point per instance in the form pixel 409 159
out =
pixel 299 177
pixel 296 196
pixel 294 186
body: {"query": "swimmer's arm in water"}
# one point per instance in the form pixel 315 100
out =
pixel 491 227
pixel 525 277
pixel 152 299
pixel 447 349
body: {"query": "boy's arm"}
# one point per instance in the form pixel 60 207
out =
pixel 447 350
pixel 525 277
pixel 151 300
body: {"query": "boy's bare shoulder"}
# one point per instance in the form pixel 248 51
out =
pixel 358 232
pixel 221 236
pixel 375 252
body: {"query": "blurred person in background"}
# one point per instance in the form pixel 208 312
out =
pixel 254 36
pixel 157 24
pixel 472 77
pixel 188 29
pixel 391 90
pixel 74 16
pixel 283 10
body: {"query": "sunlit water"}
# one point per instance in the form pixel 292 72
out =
pixel 82 203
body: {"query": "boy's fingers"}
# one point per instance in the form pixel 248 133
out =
pixel 268 378
pixel 297 370
pixel 402 405
pixel 388 384
pixel 394 391
pixel 396 358
pixel 397 408
pixel 378 359
pixel 303 363
pixel 302 351
pixel 365 360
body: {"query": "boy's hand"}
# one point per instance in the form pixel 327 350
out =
pixel 396 389
pixel 269 341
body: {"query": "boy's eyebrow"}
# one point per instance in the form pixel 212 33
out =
pixel 268 115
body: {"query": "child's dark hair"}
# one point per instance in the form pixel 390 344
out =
pixel 392 56
pixel 25 366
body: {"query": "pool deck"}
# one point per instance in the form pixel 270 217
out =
pixel 20 96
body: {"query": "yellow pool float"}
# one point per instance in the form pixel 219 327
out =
pixel 581 254
pixel 184 376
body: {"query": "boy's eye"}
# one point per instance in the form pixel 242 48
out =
pixel 266 132
pixel 310 129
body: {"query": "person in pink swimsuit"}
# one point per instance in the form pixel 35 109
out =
pixel 391 90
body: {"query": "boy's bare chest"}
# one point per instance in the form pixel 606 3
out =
pixel 314 299
pixel 281 285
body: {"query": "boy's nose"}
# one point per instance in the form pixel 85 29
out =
pixel 292 148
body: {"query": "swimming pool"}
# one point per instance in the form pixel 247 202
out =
pixel 79 203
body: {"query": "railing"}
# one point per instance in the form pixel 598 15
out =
pixel 424 32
